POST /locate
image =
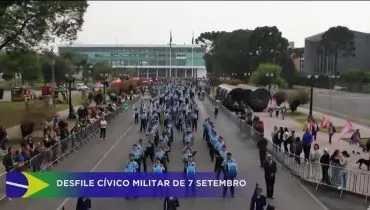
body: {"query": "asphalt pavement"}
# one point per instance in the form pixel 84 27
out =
pixel 346 104
pixel 112 155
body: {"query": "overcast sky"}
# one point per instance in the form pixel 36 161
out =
pixel 142 22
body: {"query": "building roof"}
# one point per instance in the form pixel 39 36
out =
pixel 317 37
pixel 314 38
pixel 126 46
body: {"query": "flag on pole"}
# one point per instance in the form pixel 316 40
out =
pixel 192 40
pixel 170 38
pixel 346 129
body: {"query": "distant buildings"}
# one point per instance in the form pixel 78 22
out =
pixel 179 61
pixel 296 54
pixel 315 64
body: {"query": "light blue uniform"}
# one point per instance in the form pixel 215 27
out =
pixel 131 166
pixel 230 167
pixel 159 154
pixel 158 169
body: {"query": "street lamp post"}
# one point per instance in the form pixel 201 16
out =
pixel 52 63
pixel 233 75
pixel 312 79
pixel 105 81
pixel 89 77
pixel 69 81
pixel 332 85
pixel 88 73
pixel 247 75
pixel 269 76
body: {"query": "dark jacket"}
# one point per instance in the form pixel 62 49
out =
pixel 262 144
pixel 83 204
pixel 8 162
pixel 270 169
pixel 170 203
pixel 298 147
pixel 257 203
pixel 325 159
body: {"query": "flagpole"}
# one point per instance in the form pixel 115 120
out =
pixel 192 57
pixel 156 73
pixel 170 60
pixel 170 53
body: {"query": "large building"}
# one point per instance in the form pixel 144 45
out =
pixel 314 64
pixel 156 61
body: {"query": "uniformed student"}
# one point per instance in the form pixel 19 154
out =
pixel 221 156
pixel 212 144
pixel 137 155
pixel 131 165
pixel 161 155
pixel 142 149
pixel 143 121
pixel 136 115
pixel 188 137
pixel 230 172
pixel 190 175
pixel 171 203
pixel 149 151
pixel 205 129
pixel 158 167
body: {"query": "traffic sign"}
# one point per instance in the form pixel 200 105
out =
pixel 125 105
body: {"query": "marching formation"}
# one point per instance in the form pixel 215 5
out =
pixel 172 108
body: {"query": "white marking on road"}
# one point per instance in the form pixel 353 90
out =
pixel 101 160
pixel 313 196
pixel 16 185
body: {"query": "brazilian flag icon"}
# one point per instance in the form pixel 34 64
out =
pixel 23 185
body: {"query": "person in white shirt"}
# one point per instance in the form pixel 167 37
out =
pixel 286 135
pixel 103 128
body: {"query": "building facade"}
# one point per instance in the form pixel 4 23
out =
pixel 314 63
pixel 156 61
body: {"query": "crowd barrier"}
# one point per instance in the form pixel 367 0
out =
pixel 340 179
pixel 47 159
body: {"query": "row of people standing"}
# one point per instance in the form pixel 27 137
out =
pixel 218 153
pixel 333 167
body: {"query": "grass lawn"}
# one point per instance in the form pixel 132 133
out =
pixel 8 85
pixel 11 112
pixel 301 118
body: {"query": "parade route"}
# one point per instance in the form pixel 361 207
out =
pixel 113 154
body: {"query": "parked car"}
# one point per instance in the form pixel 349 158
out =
pixel 81 86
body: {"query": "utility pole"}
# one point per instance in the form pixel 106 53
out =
pixel 52 63
pixel 53 70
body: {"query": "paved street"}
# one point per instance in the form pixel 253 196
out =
pixel 112 155
pixel 355 105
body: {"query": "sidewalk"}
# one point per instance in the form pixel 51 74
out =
pixel 322 138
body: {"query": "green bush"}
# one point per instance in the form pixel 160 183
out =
pixel 259 77
pixel 296 98
pixel 280 97
pixel 293 105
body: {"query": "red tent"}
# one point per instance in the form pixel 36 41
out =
pixel 116 83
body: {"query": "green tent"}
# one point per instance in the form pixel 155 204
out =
pixel 61 89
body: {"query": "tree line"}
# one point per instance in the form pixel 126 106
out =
pixel 250 54
pixel 34 67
